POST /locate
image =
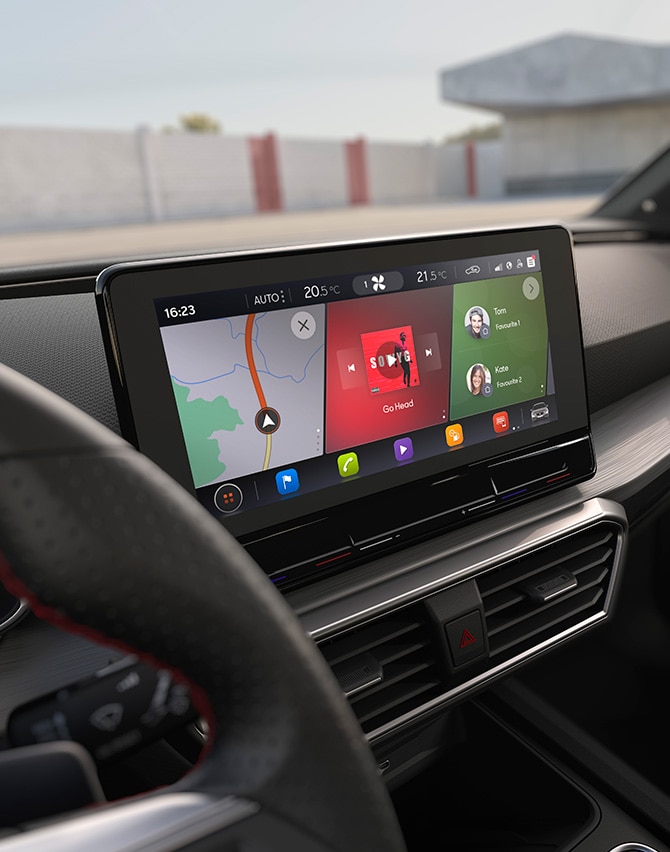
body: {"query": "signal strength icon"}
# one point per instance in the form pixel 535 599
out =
pixel 498 268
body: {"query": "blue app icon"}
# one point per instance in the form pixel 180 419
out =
pixel 287 480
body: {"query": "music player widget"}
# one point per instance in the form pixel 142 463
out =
pixel 386 376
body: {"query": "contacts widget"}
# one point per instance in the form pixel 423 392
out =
pixel 499 343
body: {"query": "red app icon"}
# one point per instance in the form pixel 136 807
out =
pixel 500 421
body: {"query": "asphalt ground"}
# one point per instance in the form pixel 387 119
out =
pixel 286 228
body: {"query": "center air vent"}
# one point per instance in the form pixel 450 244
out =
pixel 538 596
pixel 387 667
pixel 402 663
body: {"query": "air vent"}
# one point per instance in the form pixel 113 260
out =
pixel 387 667
pixel 537 596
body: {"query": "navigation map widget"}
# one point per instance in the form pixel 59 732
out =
pixel 249 390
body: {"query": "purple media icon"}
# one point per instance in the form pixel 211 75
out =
pixel 403 449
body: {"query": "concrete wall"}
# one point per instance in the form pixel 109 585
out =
pixel 69 177
pixel 478 175
pixel 577 150
pixel 400 173
pixel 451 170
pixel 313 174
pixel 198 175
pixel 489 169
pixel 72 178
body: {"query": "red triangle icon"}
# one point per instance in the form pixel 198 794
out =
pixel 467 639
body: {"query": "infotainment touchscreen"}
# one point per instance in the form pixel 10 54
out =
pixel 329 402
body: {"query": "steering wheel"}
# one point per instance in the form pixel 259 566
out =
pixel 100 540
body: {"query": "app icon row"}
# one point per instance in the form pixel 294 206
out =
pixel 228 497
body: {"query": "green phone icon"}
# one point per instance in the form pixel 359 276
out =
pixel 347 464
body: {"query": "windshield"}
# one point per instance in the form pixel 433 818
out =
pixel 139 127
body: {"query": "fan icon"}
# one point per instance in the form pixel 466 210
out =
pixel 378 283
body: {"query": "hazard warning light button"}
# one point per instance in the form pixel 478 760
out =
pixel 465 636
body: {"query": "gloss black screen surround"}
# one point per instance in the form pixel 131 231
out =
pixel 307 388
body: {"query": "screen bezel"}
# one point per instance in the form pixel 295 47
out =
pixel 126 300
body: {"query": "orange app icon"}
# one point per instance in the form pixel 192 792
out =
pixel 454 433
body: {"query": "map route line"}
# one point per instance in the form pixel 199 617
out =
pixel 248 345
pixel 193 383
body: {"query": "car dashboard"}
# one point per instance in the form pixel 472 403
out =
pixel 464 651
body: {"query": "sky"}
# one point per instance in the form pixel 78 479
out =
pixel 298 68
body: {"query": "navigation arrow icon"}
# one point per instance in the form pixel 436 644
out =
pixel 267 420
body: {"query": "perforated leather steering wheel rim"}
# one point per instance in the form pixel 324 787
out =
pixel 103 542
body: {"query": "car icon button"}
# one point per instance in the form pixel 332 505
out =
pixel 539 411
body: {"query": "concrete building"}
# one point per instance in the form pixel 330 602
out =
pixel 578 111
